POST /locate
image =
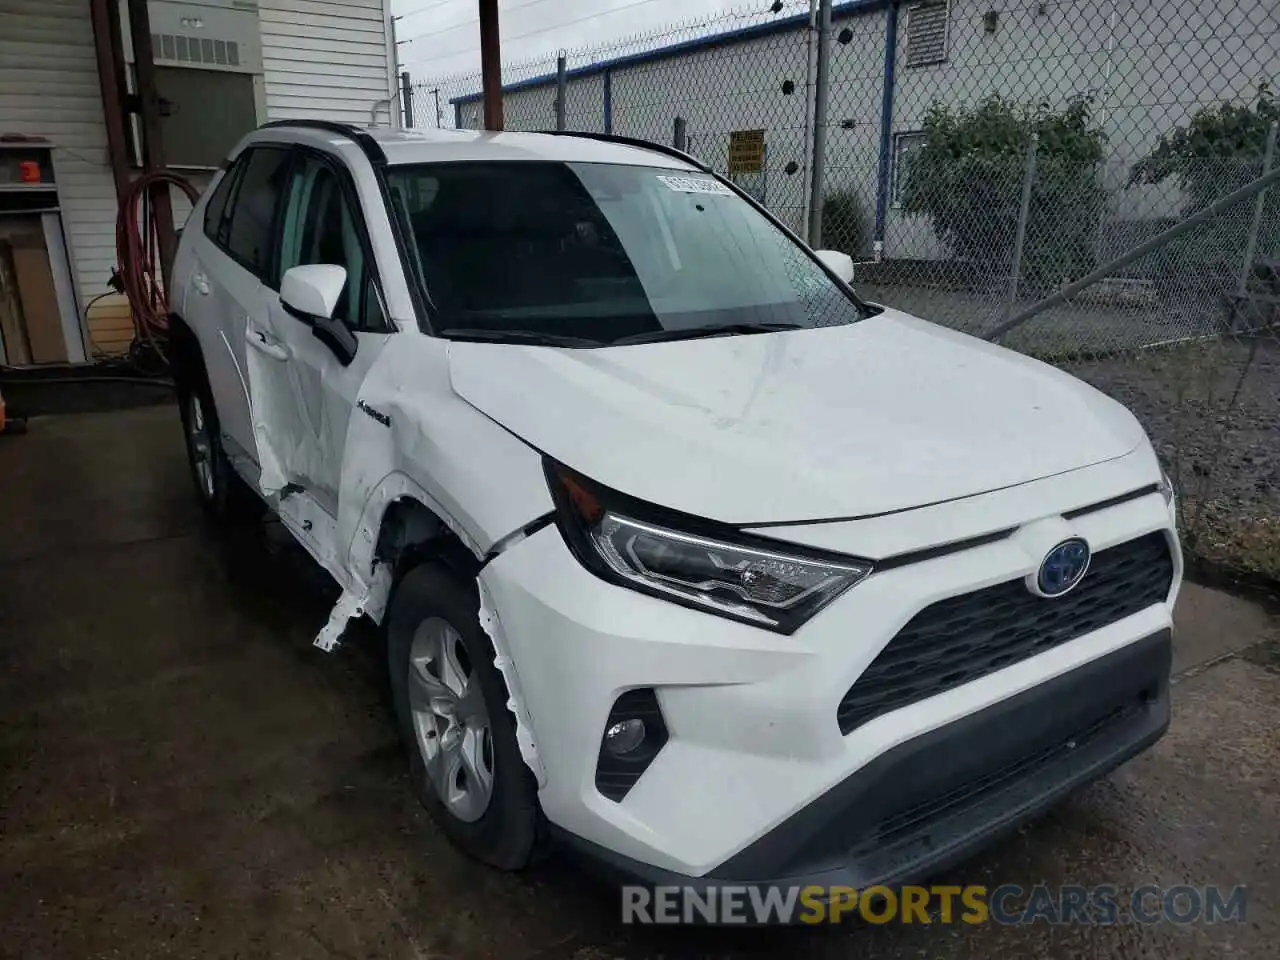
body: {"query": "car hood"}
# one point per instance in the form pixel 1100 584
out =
pixel 849 421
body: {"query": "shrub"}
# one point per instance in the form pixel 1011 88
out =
pixel 1220 149
pixel 967 177
pixel 844 224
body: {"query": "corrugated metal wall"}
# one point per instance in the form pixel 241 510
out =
pixel 325 59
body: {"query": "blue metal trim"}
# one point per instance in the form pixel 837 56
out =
pixel 608 101
pixel 886 120
pixel 851 8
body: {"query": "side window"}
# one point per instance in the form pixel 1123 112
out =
pixel 260 186
pixel 321 226
pixel 215 211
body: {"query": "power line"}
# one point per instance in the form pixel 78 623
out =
pixel 429 6
pixel 532 33
pixel 512 9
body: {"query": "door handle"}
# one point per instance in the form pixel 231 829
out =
pixel 258 340
pixel 201 283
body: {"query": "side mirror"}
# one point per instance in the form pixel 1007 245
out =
pixel 841 264
pixel 310 293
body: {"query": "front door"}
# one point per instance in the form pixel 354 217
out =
pixel 321 223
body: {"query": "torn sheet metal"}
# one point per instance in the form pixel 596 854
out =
pixel 428 445
pixel 268 414
pixel 360 599
pixel 506 666
pixel 405 435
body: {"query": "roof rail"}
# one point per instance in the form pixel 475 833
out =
pixel 372 149
pixel 633 142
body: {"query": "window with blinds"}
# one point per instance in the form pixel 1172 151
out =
pixel 927 33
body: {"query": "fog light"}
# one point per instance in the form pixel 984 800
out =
pixel 625 736
pixel 634 734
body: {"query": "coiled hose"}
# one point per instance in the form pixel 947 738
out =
pixel 137 250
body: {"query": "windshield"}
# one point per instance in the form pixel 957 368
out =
pixel 586 254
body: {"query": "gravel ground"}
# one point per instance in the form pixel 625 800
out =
pixel 1212 410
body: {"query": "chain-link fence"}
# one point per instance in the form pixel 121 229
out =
pixel 979 160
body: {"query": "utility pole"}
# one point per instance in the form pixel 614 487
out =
pixel 491 64
pixel 152 142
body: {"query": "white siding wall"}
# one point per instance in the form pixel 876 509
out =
pixel 326 59
pixel 49 88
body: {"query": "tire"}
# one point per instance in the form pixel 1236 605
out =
pixel 434 642
pixel 223 496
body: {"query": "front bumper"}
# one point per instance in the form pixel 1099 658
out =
pixel 755 779
pixel 937 799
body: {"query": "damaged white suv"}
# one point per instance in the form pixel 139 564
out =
pixel 684 553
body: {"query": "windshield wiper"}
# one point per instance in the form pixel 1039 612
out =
pixel 518 336
pixel 694 333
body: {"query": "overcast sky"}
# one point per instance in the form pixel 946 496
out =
pixel 443 36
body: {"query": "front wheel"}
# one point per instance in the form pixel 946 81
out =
pixel 450 704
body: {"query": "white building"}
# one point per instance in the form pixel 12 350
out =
pixel 224 65
pixel 1148 66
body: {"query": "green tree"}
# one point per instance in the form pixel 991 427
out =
pixel 967 177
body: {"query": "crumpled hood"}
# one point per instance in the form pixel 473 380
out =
pixel 847 421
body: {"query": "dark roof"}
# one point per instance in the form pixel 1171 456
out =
pixel 850 8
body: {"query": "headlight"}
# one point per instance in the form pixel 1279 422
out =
pixel 1166 488
pixel 695 562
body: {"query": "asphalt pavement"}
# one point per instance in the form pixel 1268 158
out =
pixel 183 775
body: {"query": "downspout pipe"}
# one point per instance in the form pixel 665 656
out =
pixel 886 126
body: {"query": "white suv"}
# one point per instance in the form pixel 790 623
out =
pixel 684 553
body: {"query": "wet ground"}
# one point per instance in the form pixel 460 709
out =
pixel 183 775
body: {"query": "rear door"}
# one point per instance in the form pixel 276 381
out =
pixel 225 284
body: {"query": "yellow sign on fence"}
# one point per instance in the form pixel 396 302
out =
pixel 746 151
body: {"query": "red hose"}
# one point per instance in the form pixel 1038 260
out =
pixel 136 246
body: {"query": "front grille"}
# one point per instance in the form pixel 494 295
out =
pixel 963 638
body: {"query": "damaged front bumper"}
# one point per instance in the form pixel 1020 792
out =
pixel 753 741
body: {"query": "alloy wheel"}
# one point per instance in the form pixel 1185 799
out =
pixel 451 720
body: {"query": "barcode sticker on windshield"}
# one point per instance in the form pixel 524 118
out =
pixel 696 185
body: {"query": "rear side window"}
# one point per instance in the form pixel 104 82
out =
pixel 249 233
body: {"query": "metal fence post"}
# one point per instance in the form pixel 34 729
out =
pixel 607 81
pixel 561 87
pixel 821 94
pixel 1024 214
pixel 1259 205
pixel 406 97
pixel 679 134
pixel 810 68
pixel 1161 239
